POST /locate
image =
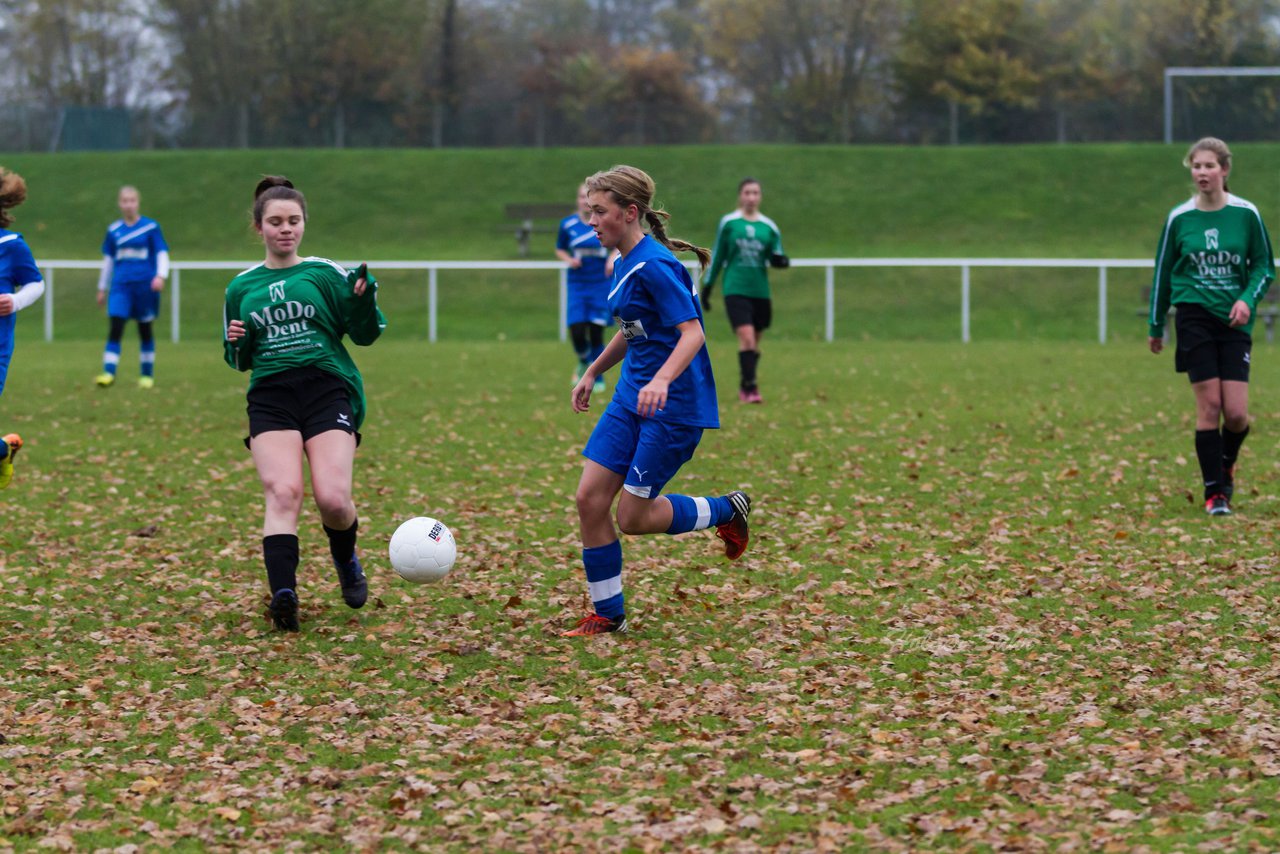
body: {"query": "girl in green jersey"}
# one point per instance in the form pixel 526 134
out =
pixel 1213 263
pixel 285 320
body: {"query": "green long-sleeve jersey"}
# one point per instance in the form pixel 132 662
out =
pixel 742 251
pixel 296 317
pixel 1213 259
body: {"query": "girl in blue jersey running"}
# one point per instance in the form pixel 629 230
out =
pixel 20 285
pixel 663 401
pixel 135 264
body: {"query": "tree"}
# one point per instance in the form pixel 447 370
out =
pixel 811 71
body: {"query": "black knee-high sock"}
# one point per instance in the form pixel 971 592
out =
pixel 747 361
pixel 1209 452
pixel 280 554
pixel 1231 442
pixel 342 544
pixel 578 335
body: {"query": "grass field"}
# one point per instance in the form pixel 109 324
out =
pixel 982 609
pixel 830 201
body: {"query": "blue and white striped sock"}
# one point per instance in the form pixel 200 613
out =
pixel 694 514
pixel 604 578
pixel 111 357
pixel 148 358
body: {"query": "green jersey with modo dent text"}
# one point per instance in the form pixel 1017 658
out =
pixel 1213 259
pixel 296 317
pixel 742 250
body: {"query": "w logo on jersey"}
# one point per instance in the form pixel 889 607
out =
pixel 277 291
pixel 1211 238
pixel 631 328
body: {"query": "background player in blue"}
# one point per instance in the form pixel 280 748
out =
pixel 135 263
pixel 664 399
pixel 590 269
pixel 20 285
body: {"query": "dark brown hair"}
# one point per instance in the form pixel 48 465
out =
pixel 631 186
pixel 745 181
pixel 271 188
pixel 13 192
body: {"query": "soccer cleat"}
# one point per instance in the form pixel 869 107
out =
pixel 12 444
pixel 744 396
pixel 1216 505
pixel 753 396
pixel 598 386
pixel 104 379
pixel 284 610
pixel 735 532
pixel 595 624
pixel 146 382
pixel 355 588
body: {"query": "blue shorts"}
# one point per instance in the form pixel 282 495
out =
pixel 133 301
pixel 587 305
pixel 647 451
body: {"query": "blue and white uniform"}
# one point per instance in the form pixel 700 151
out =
pixel 588 284
pixel 133 255
pixel 20 277
pixel 652 293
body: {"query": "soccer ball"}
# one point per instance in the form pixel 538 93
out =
pixel 422 550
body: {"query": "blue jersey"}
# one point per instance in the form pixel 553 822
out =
pixel 133 250
pixel 579 240
pixel 651 293
pixel 17 268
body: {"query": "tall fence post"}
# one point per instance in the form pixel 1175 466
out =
pixel 564 302
pixel 964 303
pixel 1102 305
pixel 175 306
pixel 431 304
pixel 48 303
pixel 831 303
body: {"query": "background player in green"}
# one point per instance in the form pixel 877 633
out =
pixel 285 320
pixel 747 244
pixel 1214 262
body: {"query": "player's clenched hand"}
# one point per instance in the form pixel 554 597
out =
pixel 102 298
pixel 157 284
pixel 580 397
pixel 1156 344
pixel 6 304
pixel 651 398
pixel 235 330
pixel 362 280
pixel 1240 314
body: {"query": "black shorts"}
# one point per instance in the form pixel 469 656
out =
pixel 749 311
pixel 1208 348
pixel 308 400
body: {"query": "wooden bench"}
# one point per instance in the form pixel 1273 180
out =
pixel 532 218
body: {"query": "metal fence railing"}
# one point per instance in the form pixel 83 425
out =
pixel 829 265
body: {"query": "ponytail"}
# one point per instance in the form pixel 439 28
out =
pixel 658 228
pixel 631 186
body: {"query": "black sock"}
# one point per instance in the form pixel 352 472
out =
pixel 1231 442
pixel 747 361
pixel 1209 452
pixel 342 544
pixel 280 554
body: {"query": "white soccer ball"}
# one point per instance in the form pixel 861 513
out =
pixel 422 550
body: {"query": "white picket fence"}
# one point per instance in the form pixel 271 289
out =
pixel 433 269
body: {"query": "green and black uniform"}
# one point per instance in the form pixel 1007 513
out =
pixel 1207 261
pixel 296 318
pixel 742 251
pixel 1211 259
